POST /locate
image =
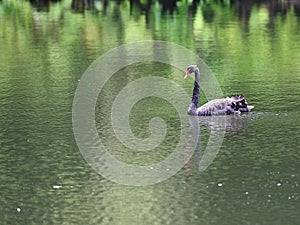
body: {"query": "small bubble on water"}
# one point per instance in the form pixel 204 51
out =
pixel 246 192
pixel 57 186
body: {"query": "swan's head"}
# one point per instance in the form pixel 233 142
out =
pixel 191 69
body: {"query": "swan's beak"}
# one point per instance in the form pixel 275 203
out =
pixel 187 74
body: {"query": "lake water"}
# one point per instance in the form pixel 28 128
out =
pixel 251 48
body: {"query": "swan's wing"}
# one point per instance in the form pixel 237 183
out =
pixel 239 103
pixel 213 107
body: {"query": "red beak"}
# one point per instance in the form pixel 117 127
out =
pixel 187 73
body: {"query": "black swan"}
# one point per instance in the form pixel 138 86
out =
pixel 230 105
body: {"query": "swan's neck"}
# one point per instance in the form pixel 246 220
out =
pixel 196 90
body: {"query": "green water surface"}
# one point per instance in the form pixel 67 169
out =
pixel 251 48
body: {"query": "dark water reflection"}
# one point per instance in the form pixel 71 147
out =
pixel 252 47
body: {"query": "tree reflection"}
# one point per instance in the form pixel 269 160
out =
pixel 81 5
pixel 41 5
pixel 242 8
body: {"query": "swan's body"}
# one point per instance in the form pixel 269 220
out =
pixel 229 105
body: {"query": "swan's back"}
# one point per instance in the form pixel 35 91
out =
pixel 213 107
pixel 229 105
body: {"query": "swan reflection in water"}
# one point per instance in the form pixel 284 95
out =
pixel 218 127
